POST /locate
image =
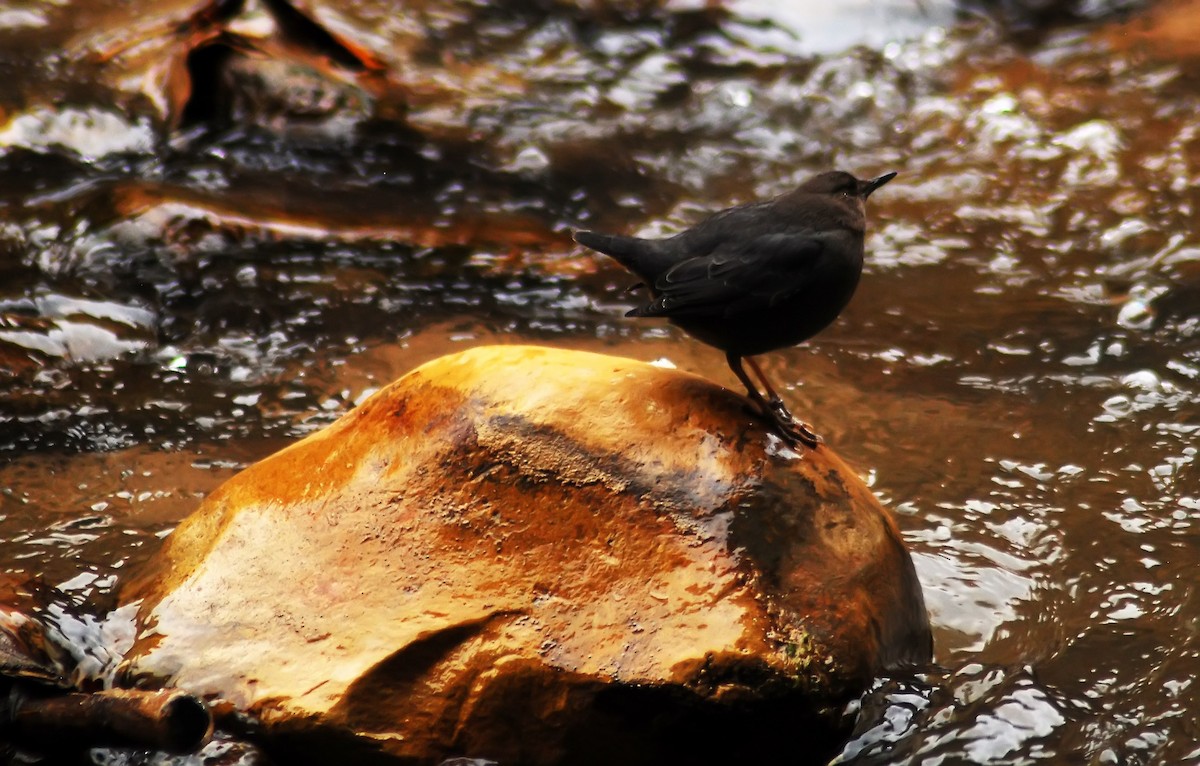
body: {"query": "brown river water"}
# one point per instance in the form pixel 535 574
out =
pixel 188 284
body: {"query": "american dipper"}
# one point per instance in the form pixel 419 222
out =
pixel 757 277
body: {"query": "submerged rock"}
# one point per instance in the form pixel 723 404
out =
pixel 535 556
pixel 46 716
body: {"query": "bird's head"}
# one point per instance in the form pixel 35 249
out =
pixel 847 193
pixel 841 183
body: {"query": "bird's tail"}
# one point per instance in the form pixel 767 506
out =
pixel 609 244
pixel 644 257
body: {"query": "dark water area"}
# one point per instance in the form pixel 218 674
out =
pixel 189 283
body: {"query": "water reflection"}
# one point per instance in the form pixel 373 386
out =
pixel 994 715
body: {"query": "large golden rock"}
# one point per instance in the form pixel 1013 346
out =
pixel 535 556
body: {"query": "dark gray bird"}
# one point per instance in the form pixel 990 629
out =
pixel 757 277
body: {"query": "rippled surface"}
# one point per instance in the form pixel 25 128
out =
pixel 1018 376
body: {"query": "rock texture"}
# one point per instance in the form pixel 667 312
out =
pixel 535 556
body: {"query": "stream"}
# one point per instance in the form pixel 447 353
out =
pixel 207 254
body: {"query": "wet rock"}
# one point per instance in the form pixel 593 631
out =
pixel 26 655
pixel 537 556
pixel 44 714
pixel 1164 30
pixel 1027 17
pixel 27 660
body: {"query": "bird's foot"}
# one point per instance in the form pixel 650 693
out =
pixel 797 432
pixel 778 410
pixel 787 426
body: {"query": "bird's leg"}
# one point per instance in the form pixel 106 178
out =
pixel 735 364
pixel 772 406
pixel 773 399
pixel 780 411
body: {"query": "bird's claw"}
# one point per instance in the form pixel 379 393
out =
pixel 797 431
pixel 788 427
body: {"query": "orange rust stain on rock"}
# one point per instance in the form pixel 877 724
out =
pixel 514 520
pixel 320 466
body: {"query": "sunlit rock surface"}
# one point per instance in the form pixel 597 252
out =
pixel 536 556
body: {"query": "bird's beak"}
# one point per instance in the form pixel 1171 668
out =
pixel 874 184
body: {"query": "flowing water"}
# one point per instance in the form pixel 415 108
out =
pixel 185 289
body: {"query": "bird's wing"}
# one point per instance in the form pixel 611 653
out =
pixel 757 272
